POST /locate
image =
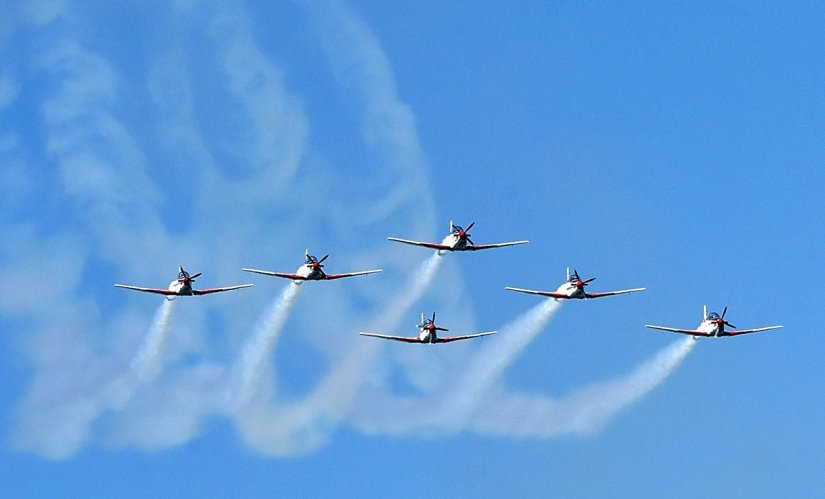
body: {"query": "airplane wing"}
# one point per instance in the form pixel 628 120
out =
pixel 285 275
pixel 164 292
pixel 198 292
pixel 551 294
pixel 406 339
pixel 611 293
pixel 476 247
pixel 677 330
pixel 746 331
pixel 351 274
pixel 420 243
pixel 468 336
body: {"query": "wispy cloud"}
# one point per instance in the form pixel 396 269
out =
pixel 219 197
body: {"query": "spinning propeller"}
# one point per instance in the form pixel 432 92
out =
pixel 314 262
pixel 185 278
pixel 465 233
pixel 577 281
pixel 430 324
pixel 722 322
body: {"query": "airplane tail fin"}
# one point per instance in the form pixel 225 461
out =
pixel 568 273
pixel 451 226
pixel 704 312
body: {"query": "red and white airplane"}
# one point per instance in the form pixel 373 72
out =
pixel 713 324
pixel 428 334
pixel 457 240
pixel 182 287
pixel 573 288
pixel 311 271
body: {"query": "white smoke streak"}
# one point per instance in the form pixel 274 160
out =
pixel 259 348
pixel 585 411
pixel 448 410
pixel 301 427
pixel 63 420
pixel 146 363
pixel 490 363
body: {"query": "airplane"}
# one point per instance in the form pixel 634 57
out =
pixel 428 334
pixel 457 240
pixel 311 271
pixel 573 288
pixel 182 286
pixel 713 324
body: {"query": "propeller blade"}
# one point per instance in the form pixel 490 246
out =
pixel 724 311
pixel 433 317
pixel 470 241
pixel 589 280
pixel 322 259
pixel 442 329
pixel 193 277
pixel 469 227
pixel 729 325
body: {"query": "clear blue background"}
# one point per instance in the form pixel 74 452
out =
pixel 677 147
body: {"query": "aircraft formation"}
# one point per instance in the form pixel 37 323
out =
pixel 458 239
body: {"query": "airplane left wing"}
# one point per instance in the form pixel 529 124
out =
pixel 476 247
pixel 198 292
pixel 735 332
pixel 611 293
pixel 164 292
pixel 693 332
pixel 465 337
pixel 351 274
pixel 551 294
pixel 285 275
pixel 406 339
pixel 421 243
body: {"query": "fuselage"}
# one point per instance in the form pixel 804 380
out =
pixel 712 326
pixel 310 272
pixel 455 241
pixel 181 288
pixel 427 334
pixel 572 290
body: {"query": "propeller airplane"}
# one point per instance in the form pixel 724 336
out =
pixel 457 240
pixel 713 324
pixel 573 288
pixel 311 270
pixel 182 286
pixel 428 334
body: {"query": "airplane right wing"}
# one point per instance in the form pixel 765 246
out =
pixel 420 243
pixel 693 332
pixel 734 332
pixel 351 274
pixel 406 339
pixel 198 292
pixel 285 275
pixel 476 247
pixel 551 294
pixel 612 293
pixel 465 337
pixel 164 292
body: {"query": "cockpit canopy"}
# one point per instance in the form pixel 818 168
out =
pixel 182 275
pixel 574 276
pixel 713 316
pixel 457 229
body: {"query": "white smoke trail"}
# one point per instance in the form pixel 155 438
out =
pixel 304 426
pixel 146 363
pixel 491 362
pixel 259 348
pixel 450 409
pixel 585 411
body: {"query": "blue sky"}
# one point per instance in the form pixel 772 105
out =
pixel 673 147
